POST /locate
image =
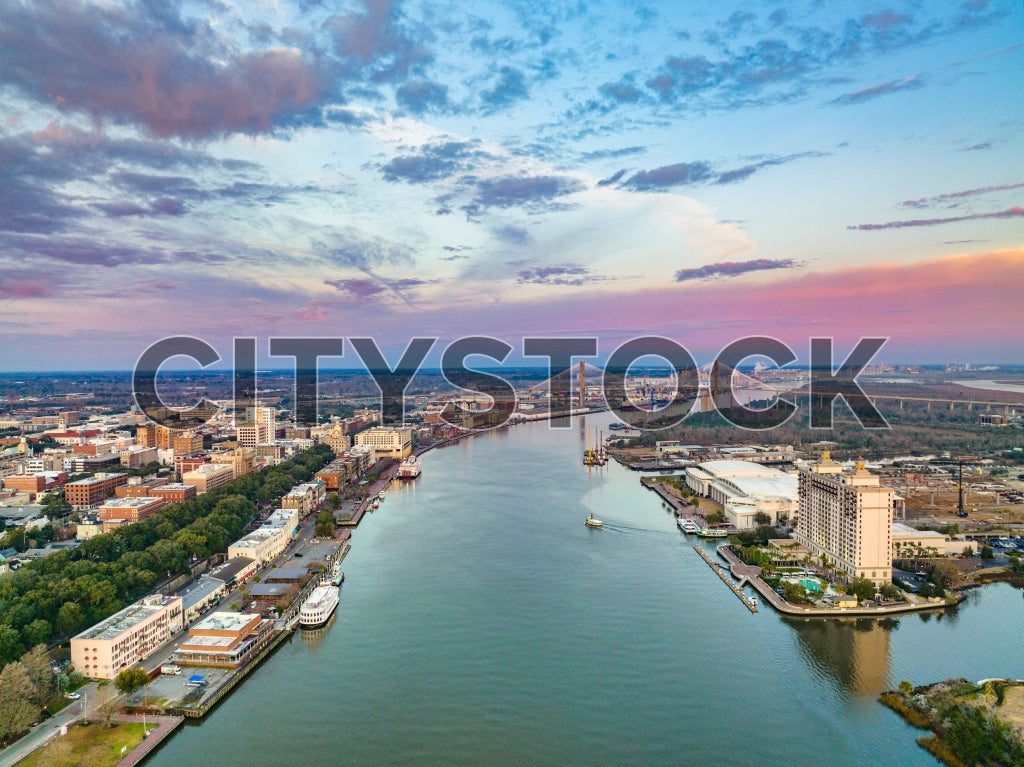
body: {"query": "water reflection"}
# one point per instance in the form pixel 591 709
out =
pixel 313 637
pixel 855 652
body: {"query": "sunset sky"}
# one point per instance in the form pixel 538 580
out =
pixel 227 168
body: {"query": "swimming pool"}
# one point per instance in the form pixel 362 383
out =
pixel 810 585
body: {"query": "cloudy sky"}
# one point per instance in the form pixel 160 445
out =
pixel 293 167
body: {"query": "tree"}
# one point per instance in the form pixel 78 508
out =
pixel 862 588
pixel 925 590
pixel 37 632
pixel 37 664
pixel 714 518
pixel 891 592
pixel 11 647
pixel 906 687
pixel 131 680
pixel 17 712
pixel 334 500
pixel 968 552
pixel 794 592
pixel 987 552
pixel 70 617
pixel 762 519
pixel 325 524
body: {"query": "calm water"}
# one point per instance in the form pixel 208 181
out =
pixel 482 623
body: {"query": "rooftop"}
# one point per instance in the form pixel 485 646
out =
pixel 130 616
pixel 127 503
pixel 95 479
pixel 224 621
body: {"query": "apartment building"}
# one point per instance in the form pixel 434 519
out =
pixel 127 637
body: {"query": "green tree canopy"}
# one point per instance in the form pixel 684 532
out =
pixel 130 680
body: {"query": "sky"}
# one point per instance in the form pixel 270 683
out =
pixel 704 172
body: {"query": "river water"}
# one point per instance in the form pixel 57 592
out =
pixel 482 623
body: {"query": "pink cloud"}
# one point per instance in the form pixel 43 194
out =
pixel 24 290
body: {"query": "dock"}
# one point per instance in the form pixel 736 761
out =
pixel 736 588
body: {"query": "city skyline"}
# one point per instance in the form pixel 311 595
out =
pixel 394 169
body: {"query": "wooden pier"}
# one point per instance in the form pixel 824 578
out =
pixel 736 589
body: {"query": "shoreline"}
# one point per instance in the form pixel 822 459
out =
pixel 752 574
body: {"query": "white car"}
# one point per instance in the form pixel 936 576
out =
pixel 73 696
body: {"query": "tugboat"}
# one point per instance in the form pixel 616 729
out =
pixel 591 522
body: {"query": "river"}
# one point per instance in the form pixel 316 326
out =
pixel 482 623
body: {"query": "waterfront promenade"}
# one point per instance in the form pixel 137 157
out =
pixel 165 726
pixel 752 575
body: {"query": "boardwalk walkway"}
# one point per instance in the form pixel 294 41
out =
pixel 165 726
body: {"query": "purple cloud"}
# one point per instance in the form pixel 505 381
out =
pixel 727 269
pixel 1016 212
pixel 927 202
pixel 145 65
pixel 882 89
pixel 679 174
pixel 565 274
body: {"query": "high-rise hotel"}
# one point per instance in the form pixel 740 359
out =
pixel 847 518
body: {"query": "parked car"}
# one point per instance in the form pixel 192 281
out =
pixel 73 696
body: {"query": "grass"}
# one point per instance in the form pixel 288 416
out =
pixel 94 745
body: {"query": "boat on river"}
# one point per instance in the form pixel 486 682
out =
pixel 319 605
pixel 591 522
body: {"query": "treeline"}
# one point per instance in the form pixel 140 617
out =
pixel 59 596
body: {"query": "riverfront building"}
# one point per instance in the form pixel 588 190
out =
pixel 270 539
pixel 848 519
pixel 126 637
pixel 745 489
pixel 225 640
pixel 908 541
pixel 305 498
pixel 388 441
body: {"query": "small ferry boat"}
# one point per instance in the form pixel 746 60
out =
pixel 591 522
pixel 337 574
pixel 381 495
pixel 319 605
pixel 712 532
pixel 688 526
pixel 376 505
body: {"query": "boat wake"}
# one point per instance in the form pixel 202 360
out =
pixel 614 526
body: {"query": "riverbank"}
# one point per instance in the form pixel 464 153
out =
pixel 972 723
pixel 752 574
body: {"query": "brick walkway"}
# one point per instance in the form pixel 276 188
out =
pixel 165 726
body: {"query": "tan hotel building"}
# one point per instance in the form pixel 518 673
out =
pixel 208 476
pixel 388 441
pixel 847 518
pixel 126 637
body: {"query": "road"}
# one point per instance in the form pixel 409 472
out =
pixel 91 695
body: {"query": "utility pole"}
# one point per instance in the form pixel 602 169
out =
pixel 960 478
